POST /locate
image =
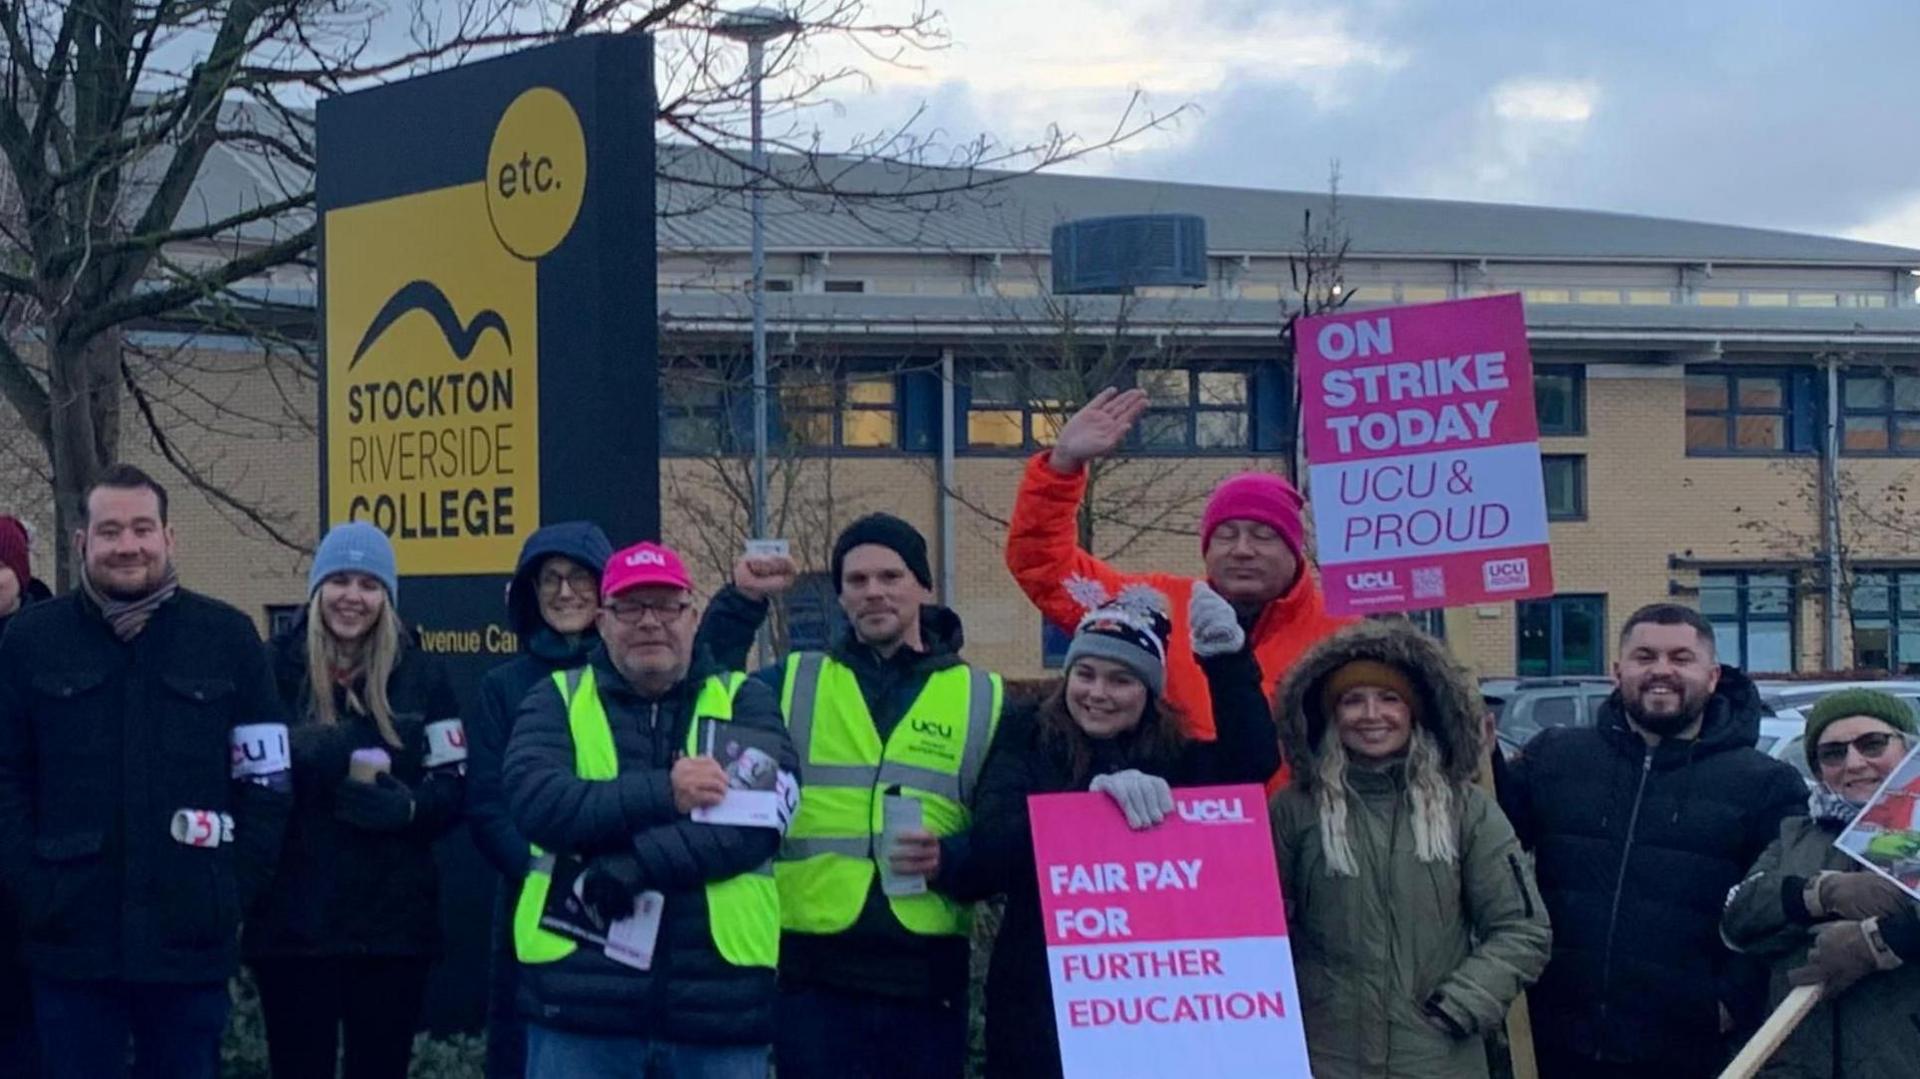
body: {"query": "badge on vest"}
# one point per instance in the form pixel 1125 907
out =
pixel 201 828
pixel 261 756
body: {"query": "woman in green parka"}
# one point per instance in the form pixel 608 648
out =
pixel 1822 917
pixel 1412 912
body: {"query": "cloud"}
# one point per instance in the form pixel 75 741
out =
pixel 1898 223
pixel 1545 100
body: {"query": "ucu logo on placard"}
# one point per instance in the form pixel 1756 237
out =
pixel 1212 810
pixel 1374 580
pixel 928 726
pixel 645 558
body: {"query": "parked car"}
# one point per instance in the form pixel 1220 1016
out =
pixel 1531 705
pixel 1782 737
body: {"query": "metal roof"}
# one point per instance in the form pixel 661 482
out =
pixel 893 207
pixel 831 204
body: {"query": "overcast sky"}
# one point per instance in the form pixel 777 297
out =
pixel 1798 116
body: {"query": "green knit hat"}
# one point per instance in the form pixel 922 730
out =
pixel 1848 703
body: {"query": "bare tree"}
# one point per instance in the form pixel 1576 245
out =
pixel 113 109
pixel 1317 274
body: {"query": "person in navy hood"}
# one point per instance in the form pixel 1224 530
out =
pixel 552 603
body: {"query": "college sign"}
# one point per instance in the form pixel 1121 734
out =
pixel 487 311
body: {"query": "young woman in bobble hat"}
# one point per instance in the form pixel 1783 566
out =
pixel 341 942
pixel 1822 918
pixel 1413 915
pixel 1108 726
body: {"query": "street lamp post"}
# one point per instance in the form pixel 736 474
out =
pixel 756 26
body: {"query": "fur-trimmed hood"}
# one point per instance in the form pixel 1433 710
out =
pixel 1451 707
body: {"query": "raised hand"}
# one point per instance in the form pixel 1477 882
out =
pixel 1097 429
pixel 764 578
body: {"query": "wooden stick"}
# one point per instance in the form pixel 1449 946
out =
pixel 1774 1031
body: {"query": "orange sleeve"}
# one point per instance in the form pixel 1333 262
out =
pixel 1043 548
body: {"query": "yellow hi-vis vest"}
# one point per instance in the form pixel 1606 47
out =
pixel 827 859
pixel 743 912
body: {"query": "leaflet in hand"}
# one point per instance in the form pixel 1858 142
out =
pixel 628 940
pixel 760 794
pixel 1885 836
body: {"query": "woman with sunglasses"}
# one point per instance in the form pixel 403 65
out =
pixel 1822 918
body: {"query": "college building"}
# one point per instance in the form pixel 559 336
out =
pixel 1730 416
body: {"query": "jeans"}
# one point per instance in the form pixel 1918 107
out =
pixel 312 1006
pixel 85 1028
pixel 827 1034
pixel 565 1054
pixel 506 1029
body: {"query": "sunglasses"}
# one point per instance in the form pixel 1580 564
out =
pixel 1870 746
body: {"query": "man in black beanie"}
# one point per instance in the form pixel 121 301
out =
pixel 892 728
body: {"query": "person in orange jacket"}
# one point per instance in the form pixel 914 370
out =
pixel 1250 536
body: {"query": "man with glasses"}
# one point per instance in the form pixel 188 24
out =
pixel 647 939
pixel 1641 825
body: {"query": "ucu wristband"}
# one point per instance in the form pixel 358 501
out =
pixel 261 756
pixel 447 745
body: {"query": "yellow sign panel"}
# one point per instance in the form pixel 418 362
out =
pixel 432 381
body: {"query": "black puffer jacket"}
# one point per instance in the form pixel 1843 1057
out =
pixel 342 889
pixel 13 968
pixel 691 994
pixel 542 652
pixel 1021 1038
pixel 1636 850
pixel 101 743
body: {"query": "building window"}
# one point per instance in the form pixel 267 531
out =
pixel 1734 412
pixel 844 285
pixel 1190 409
pixel 1547 295
pixel 1432 622
pixel 1564 635
pixel 695 416
pixel 1880 413
pixel 813 613
pixel 1752 615
pixel 1053 645
pixel 1559 398
pixel 774 284
pixel 1565 476
pixel 1886 621
pixel 281 617
pixel 821 410
pixel 1018 409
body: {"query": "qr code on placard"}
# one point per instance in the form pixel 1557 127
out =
pixel 1429 582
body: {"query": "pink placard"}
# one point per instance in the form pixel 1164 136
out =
pixel 1167 947
pixel 1423 454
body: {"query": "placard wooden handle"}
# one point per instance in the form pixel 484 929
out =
pixel 1767 1040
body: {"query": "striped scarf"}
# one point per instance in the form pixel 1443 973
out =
pixel 129 616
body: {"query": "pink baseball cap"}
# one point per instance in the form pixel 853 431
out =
pixel 643 564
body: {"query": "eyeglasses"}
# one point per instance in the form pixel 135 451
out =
pixel 634 613
pixel 579 581
pixel 1870 746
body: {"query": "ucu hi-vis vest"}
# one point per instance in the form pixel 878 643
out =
pixel 827 859
pixel 743 912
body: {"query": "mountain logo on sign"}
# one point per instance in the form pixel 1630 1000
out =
pixel 425 296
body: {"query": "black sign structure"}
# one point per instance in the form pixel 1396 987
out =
pixel 491 355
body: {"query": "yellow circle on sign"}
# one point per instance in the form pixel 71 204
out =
pixel 536 172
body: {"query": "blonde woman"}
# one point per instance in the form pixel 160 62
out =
pixel 341 943
pixel 1413 915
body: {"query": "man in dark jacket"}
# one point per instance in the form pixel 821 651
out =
pixel 1640 826
pixel 657 958
pixel 129 838
pixel 874 963
pixel 19 1054
pixel 552 605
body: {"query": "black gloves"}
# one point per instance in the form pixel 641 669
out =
pixel 385 805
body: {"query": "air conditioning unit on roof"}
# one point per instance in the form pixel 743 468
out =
pixel 1115 255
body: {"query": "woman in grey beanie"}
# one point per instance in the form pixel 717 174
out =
pixel 1109 727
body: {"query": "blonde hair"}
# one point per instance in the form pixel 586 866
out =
pixel 373 663
pixel 1432 797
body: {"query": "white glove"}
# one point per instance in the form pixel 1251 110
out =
pixel 1145 799
pixel 1213 623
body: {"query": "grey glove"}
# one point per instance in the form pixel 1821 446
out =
pixel 1854 896
pixel 1145 799
pixel 1842 954
pixel 1213 623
